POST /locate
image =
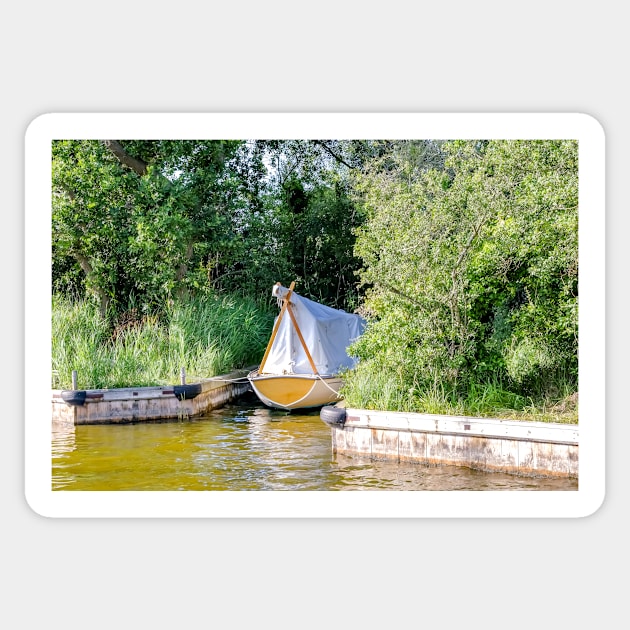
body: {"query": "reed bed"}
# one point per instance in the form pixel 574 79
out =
pixel 206 336
pixel 379 390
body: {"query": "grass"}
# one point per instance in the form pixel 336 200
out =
pixel 373 389
pixel 207 336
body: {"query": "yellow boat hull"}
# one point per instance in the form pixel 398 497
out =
pixel 295 391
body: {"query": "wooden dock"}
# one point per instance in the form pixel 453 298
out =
pixel 147 404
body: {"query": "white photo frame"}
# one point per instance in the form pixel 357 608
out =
pixel 389 504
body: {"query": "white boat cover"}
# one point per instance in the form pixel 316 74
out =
pixel 327 332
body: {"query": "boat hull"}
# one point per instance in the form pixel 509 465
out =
pixel 295 391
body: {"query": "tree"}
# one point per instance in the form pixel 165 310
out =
pixel 140 218
pixel 300 224
pixel 472 266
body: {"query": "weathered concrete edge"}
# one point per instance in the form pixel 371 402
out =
pixel 464 425
pixel 145 404
pixel 524 448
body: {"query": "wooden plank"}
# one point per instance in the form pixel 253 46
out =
pixel 274 332
pixel 299 333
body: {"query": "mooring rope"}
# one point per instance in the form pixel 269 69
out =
pixel 240 379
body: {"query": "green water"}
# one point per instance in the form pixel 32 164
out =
pixel 246 447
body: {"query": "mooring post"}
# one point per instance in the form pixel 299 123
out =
pixel 74 379
pixel 182 376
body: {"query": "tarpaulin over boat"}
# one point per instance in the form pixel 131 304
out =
pixel 327 333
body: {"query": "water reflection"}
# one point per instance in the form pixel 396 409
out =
pixel 246 447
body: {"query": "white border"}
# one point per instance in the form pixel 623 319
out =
pixel 390 504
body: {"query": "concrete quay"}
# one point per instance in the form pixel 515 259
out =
pixel 536 449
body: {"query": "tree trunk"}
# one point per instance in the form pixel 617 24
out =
pixel 182 270
pixel 135 164
pixel 101 295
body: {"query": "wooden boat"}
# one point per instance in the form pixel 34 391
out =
pixel 306 352
pixel 295 391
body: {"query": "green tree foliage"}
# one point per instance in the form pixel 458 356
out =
pixel 301 227
pixel 471 267
pixel 144 218
pixel 153 221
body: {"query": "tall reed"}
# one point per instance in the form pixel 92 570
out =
pixel 206 336
pixel 366 387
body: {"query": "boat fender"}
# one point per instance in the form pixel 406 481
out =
pixel 74 396
pixel 333 416
pixel 187 392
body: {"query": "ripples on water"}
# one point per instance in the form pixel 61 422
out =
pixel 246 447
